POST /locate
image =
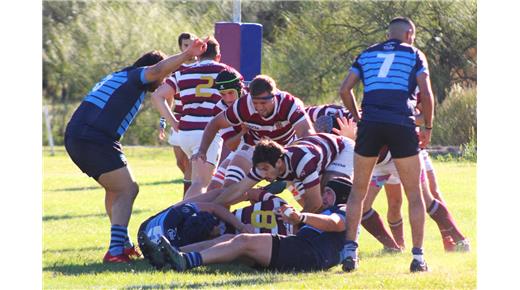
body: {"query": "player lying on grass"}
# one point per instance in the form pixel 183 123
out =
pixel 189 222
pixel 384 171
pixel 316 246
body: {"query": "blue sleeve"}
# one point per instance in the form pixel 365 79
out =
pixel 136 76
pixel 356 67
pixel 421 63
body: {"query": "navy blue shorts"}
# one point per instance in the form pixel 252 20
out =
pixel 292 253
pixel 93 158
pixel 402 141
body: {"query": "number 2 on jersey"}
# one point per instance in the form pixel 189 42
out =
pixel 387 63
pixel 208 85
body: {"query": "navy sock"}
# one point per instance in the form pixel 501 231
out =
pixel 193 259
pixel 118 235
pixel 418 254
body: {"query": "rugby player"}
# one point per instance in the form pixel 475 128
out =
pixel 266 111
pixel 184 40
pixel 309 163
pixel 199 97
pixel 94 130
pixel 316 246
pixel 390 72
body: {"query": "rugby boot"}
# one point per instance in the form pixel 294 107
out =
pixel 123 258
pixel 417 266
pixel 132 252
pixel 151 251
pixel 172 256
pixel 350 264
pixel 462 246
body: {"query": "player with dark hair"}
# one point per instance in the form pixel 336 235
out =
pixel 316 246
pixel 184 40
pixel 265 111
pixel 390 72
pixel 199 97
pixel 93 133
pixel 309 163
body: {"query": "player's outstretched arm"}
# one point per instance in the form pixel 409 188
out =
pixel 235 192
pixel 347 94
pixel 217 123
pixel 165 67
pixel 327 223
pixel 224 214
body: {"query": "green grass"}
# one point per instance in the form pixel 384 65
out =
pixel 76 235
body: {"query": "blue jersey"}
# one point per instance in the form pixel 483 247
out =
pixel 388 71
pixel 327 245
pixel 169 223
pixel 109 108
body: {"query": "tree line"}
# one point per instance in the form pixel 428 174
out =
pixel 308 47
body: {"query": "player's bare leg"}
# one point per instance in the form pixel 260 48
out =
pixel 109 199
pixel 201 173
pixel 122 191
pixel 217 180
pixel 237 169
pixel 395 219
pixel 184 165
pixel 434 188
pixel 363 167
pixel 409 169
pixel 257 247
pixel 197 247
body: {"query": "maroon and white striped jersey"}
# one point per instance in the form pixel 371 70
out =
pixel 327 110
pixel 177 105
pixel 307 158
pixel 262 216
pixel 228 132
pixel 198 97
pixel 288 112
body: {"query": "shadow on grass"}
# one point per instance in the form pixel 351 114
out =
pixel 97 268
pixel 248 276
pixel 154 183
pixel 58 251
pixel 68 216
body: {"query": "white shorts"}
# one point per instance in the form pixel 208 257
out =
pixel 245 150
pixel 173 139
pixel 190 144
pixel 344 161
pixel 425 157
pixel 387 173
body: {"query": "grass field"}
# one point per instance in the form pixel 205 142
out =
pixel 76 235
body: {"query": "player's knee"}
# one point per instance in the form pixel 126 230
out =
pixel 242 241
pixel 134 189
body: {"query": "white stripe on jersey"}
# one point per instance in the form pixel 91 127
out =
pixel 192 91
pixel 269 128
pixel 196 76
pixel 178 102
pixel 188 118
pixel 302 162
pixel 205 105
pixel 257 207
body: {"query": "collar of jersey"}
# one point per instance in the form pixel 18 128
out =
pixel 207 61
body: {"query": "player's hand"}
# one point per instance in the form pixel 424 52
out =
pixel 347 128
pixel 162 134
pixel 197 47
pixel 199 155
pixel 247 229
pixel 425 137
pixel 244 129
pixel 175 125
pixel 289 214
